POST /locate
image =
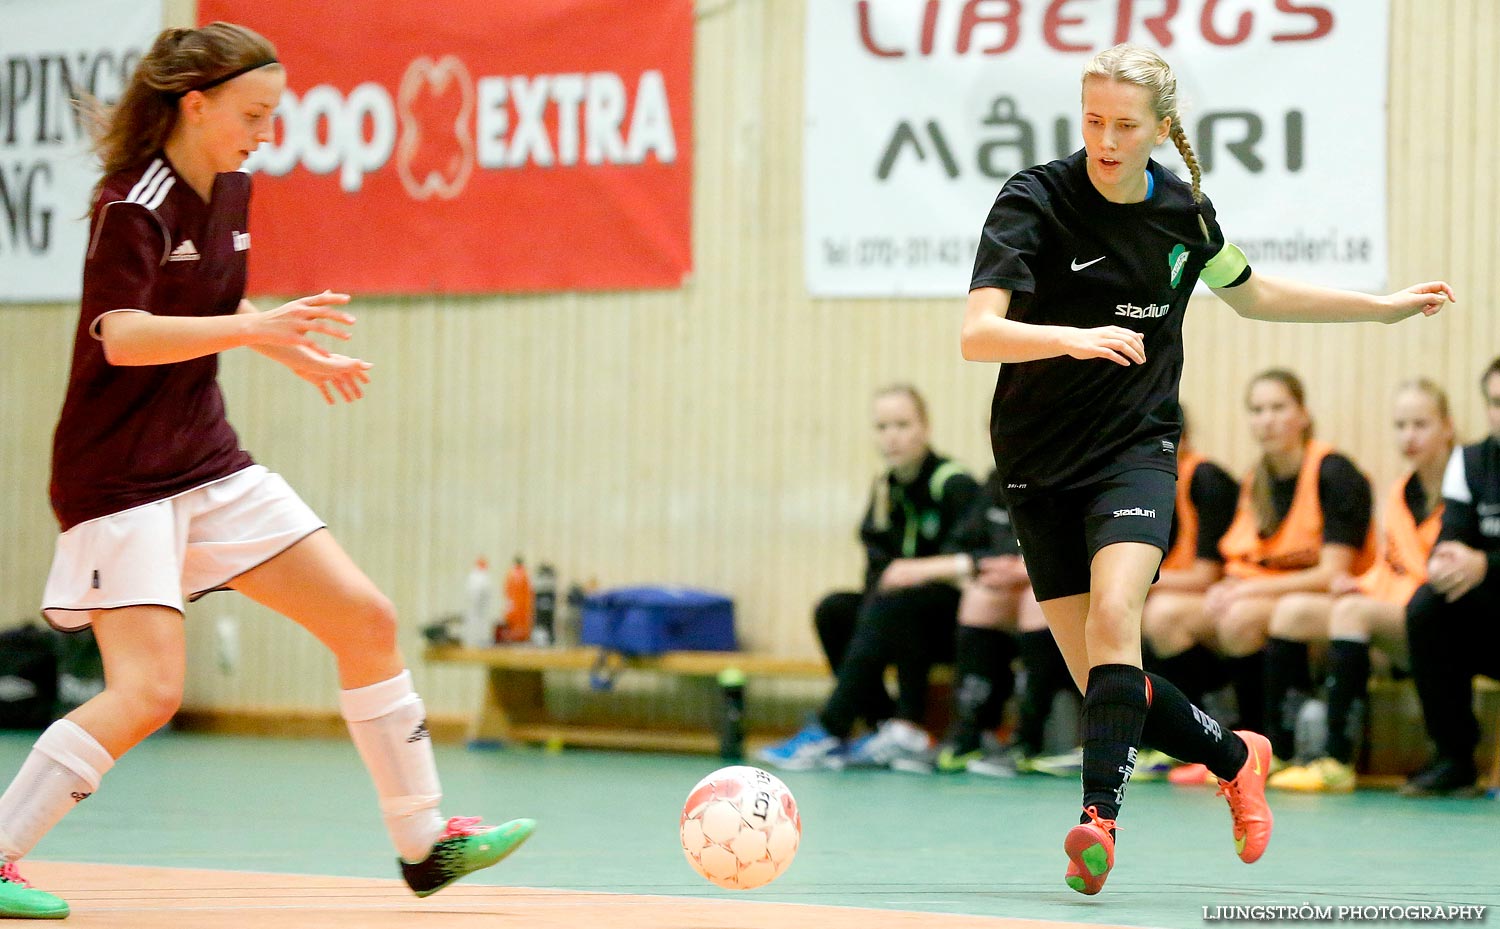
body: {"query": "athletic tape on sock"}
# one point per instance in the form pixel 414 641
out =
pixel 376 700
pixel 71 746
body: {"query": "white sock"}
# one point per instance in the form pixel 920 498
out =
pixel 389 726
pixel 63 769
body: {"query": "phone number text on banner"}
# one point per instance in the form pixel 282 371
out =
pixel 474 147
pixel 917 111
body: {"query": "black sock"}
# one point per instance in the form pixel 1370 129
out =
pixel 1114 711
pixel 1348 696
pixel 1046 674
pixel 1248 675
pixel 1176 726
pixel 992 712
pixel 1195 672
pixel 1288 685
pixel 982 680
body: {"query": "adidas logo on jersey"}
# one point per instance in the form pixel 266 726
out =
pixel 241 241
pixel 1135 511
pixel 186 251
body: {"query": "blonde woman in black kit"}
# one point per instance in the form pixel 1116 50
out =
pixel 905 614
pixel 157 502
pixel 1082 277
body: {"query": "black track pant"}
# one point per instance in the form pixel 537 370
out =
pixel 910 628
pixel 1449 644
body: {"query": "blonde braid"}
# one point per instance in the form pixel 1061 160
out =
pixel 1185 148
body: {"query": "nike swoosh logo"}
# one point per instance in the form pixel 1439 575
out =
pixel 1079 267
pixel 1255 760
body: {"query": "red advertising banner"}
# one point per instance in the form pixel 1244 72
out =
pixel 474 147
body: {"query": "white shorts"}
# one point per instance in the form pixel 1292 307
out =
pixel 175 550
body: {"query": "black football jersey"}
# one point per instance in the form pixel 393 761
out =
pixel 1072 258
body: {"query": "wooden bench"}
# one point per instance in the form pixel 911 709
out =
pixel 513 705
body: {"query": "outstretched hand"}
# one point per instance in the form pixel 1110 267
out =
pixel 1112 343
pixel 292 323
pixel 1427 299
pixel 329 372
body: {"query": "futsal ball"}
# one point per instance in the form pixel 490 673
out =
pixel 740 827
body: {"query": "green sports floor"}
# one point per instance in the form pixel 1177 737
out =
pixel 608 822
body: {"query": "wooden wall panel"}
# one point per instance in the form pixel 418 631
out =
pixel 717 435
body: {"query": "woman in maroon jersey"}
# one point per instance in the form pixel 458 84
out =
pixel 157 502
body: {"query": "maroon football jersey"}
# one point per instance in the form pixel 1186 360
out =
pixel 134 435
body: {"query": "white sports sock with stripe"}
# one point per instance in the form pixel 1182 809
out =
pixel 389 726
pixel 63 769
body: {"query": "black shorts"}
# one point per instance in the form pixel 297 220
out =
pixel 1062 531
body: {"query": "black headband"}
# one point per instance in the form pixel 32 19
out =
pixel 223 78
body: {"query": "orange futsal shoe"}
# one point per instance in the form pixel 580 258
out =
pixel 1091 853
pixel 1191 775
pixel 1247 798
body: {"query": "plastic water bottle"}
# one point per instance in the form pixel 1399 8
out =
pixel 571 630
pixel 732 714
pixel 544 632
pixel 518 612
pixel 479 606
pixel 1312 729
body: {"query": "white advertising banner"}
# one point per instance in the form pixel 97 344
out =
pixel 918 110
pixel 49 49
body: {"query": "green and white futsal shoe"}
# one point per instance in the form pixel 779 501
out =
pixel 466 846
pixel 20 900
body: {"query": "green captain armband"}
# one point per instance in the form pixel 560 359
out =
pixel 1226 269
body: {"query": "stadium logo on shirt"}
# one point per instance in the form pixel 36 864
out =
pixel 187 251
pixel 1149 311
pixel 1177 261
pixel 1135 511
pixel 241 241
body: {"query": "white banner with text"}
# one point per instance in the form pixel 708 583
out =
pixel 918 110
pixel 49 51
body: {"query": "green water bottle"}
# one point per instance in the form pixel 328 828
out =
pixel 732 714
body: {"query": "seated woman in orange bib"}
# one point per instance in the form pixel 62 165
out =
pixel 1303 519
pixel 1370 608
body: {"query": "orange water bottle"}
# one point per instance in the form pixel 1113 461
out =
pixel 518 591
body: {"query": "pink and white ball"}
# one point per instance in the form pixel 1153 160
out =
pixel 740 827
